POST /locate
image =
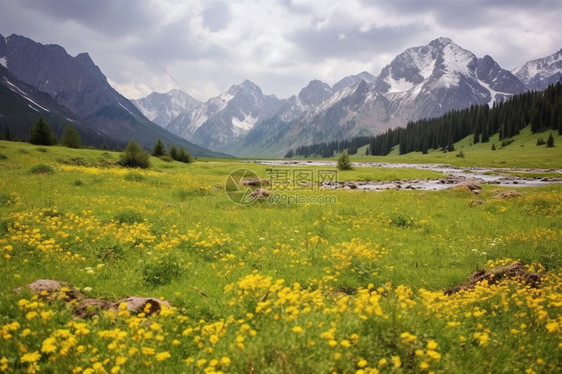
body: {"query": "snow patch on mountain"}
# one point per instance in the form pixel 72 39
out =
pixel 246 123
pixel 538 74
pixel 4 62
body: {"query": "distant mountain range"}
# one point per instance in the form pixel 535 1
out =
pixel 43 80
pixel 421 82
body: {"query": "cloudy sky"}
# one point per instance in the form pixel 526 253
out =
pixel 206 46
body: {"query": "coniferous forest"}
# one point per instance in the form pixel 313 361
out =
pixel 542 110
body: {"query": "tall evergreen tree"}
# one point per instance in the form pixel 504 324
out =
pixel 174 152
pixel 41 134
pixel 550 141
pixel 71 137
pixel 159 149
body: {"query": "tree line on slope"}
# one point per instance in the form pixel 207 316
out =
pixel 133 156
pixel 542 110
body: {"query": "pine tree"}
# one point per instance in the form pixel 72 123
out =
pixel 41 134
pixel 71 138
pixel 134 156
pixel 550 141
pixel 173 152
pixel 159 149
pixel 476 133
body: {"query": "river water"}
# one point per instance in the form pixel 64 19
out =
pixel 453 176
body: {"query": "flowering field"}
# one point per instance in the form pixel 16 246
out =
pixel 354 286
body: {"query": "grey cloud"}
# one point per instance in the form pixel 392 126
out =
pixel 174 43
pixel 352 42
pixel 216 15
pixel 113 18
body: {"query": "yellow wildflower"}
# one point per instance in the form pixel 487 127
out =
pixel 163 356
pixel 432 344
pixel 408 338
pixel 147 351
pixel 30 357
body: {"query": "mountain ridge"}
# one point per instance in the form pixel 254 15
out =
pixel 421 82
pixel 78 84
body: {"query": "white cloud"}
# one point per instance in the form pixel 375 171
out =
pixel 280 45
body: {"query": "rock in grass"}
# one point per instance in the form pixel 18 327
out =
pixel 49 289
pixel 87 308
pixel 260 193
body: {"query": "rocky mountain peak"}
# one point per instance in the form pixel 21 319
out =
pixel 315 92
pixel 538 74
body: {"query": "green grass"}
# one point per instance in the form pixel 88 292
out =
pixel 522 153
pixel 270 287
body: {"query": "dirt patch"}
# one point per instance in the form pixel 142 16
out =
pixel 493 276
pixel 508 194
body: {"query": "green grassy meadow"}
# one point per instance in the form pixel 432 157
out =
pixel 353 285
pixel 523 152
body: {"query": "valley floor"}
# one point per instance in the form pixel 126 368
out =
pixel 305 280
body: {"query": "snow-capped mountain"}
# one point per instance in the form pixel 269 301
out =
pixel 422 82
pixel 425 81
pixel 538 74
pixel 163 108
pixel 223 120
pixel 431 80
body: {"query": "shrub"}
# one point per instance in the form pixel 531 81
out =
pixel 507 142
pixel 3 157
pixel 166 158
pixel 134 156
pixel 343 162
pixel 540 141
pixel 184 156
pixel 42 169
